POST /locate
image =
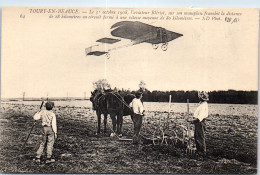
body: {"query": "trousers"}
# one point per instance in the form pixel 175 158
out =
pixel 199 135
pixel 137 120
pixel 47 139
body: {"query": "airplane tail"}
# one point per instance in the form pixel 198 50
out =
pixel 88 50
pixel 93 50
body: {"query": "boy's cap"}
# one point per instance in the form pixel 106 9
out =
pixel 49 105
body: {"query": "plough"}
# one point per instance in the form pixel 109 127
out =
pixel 163 135
pixel 159 132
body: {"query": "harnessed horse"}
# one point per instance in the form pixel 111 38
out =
pixel 100 106
pixel 111 103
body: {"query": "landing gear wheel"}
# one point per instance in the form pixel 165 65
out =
pixel 158 137
pixel 164 46
pixel 107 55
pixel 155 46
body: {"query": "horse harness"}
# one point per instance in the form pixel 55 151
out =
pixel 114 94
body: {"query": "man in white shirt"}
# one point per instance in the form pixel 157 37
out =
pixel 200 114
pixel 137 116
pixel 49 125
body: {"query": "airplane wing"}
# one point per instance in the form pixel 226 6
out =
pixel 131 29
pixel 141 32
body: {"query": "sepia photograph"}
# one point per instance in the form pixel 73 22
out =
pixel 129 90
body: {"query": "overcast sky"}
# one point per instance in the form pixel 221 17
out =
pixel 43 56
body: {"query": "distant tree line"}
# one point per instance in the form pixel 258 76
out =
pixel 229 97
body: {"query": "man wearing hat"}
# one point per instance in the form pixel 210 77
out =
pixel 200 114
pixel 48 119
pixel 137 116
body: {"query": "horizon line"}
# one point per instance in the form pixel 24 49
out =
pixel 87 97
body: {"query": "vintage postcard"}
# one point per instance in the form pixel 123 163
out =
pixel 129 90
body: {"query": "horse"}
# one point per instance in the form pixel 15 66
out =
pixel 114 104
pixel 115 108
pixel 128 98
pixel 100 106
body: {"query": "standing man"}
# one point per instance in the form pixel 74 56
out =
pixel 137 116
pixel 49 125
pixel 200 114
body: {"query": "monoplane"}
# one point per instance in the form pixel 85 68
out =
pixel 135 32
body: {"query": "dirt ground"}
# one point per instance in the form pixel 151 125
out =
pixel 231 143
